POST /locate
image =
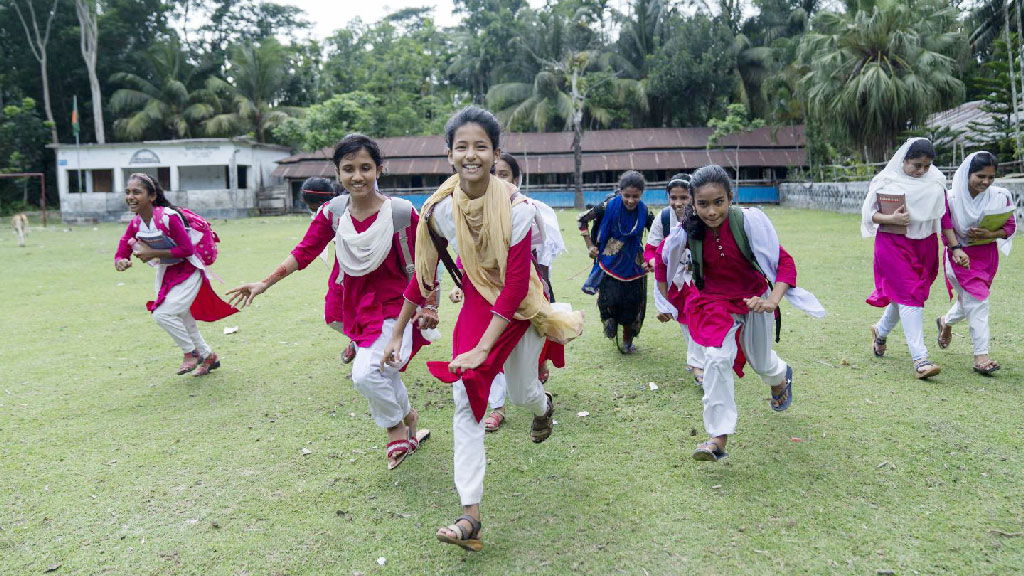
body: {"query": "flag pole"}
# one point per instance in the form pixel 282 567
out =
pixel 78 143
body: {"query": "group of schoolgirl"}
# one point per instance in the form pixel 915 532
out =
pixel 907 208
pixel 383 291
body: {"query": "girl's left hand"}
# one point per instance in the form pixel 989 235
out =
pixel 144 252
pixel 758 304
pixel 468 360
pixel 980 234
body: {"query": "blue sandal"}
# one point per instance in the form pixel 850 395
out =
pixel 788 393
pixel 709 451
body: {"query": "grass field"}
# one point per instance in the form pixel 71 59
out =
pixel 111 464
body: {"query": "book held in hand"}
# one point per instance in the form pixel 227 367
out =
pixel 158 241
pixel 888 204
pixel 991 221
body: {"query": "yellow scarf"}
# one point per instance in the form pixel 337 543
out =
pixel 483 230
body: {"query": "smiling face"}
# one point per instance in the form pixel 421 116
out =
pixel 979 181
pixel 916 167
pixel 631 197
pixel 137 197
pixel 678 198
pixel 358 173
pixel 712 204
pixel 472 155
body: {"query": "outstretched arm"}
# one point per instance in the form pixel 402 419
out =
pixel 243 295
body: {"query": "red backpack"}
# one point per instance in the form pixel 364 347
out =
pixel 204 239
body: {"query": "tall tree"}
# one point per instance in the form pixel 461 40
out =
pixel 258 76
pixel 88 11
pixel 37 42
pixel 875 71
pixel 169 102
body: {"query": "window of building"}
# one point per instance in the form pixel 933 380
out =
pixel 163 176
pixel 77 182
pixel 243 177
pixel 102 180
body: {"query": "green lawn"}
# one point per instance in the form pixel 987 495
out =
pixel 111 464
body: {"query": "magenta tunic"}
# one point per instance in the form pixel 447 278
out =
pixel 207 306
pixel 473 320
pixel 678 297
pixel 976 280
pixel 365 301
pixel 904 269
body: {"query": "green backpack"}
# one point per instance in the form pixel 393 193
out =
pixel 739 234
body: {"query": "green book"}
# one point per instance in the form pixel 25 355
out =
pixel 991 222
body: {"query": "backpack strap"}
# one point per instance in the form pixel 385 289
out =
pixel 337 206
pixel 666 221
pixel 441 245
pixel 696 246
pixel 739 234
pixel 401 217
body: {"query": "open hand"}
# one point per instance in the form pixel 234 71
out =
pixel 243 295
pixel 392 354
pixel 467 360
pixel 122 264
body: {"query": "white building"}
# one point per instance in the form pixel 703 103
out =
pixel 216 177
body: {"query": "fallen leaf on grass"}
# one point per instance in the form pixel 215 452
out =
pixel 230 329
pixel 306 451
pixel 884 572
pixel 583 414
pixel 795 439
pixel 882 464
pixel 1007 534
pixel 716 486
pixel 52 568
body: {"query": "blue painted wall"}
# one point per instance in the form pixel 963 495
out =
pixel 564 199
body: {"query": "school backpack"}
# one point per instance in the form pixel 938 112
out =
pixel 204 239
pixel 666 219
pixel 739 235
pixel 401 217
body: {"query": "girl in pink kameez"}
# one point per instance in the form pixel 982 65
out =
pixel 184 294
pixel 972 257
pixel 374 266
pixel 505 316
pixel 906 245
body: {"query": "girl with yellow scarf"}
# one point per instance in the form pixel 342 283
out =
pixel 505 317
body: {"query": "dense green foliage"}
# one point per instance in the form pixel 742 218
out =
pixel 860 74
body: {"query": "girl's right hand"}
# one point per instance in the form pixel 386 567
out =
pixel 122 264
pixel 391 352
pixel 961 258
pixel 243 295
pixel 901 217
pixel 456 295
pixel 592 252
pixel 664 317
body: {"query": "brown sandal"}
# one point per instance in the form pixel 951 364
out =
pixel 877 343
pixel 468 540
pixel 541 427
pixel 987 368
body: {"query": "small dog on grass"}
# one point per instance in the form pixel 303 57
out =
pixel 20 224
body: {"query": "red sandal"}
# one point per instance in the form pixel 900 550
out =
pixel 494 420
pixel 211 362
pixel 189 363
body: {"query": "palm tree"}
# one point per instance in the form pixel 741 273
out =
pixel 165 105
pixel 875 71
pixel 259 74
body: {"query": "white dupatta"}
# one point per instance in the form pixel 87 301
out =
pixel 925 196
pixel 967 211
pixel 362 253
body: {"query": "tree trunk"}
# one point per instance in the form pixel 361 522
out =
pixel 90 44
pixel 38 47
pixel 577 141
pixel 1014 109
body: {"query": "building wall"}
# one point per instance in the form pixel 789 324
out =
pixel 848 197
pixel 196 176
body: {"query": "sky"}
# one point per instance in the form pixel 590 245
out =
pixel 329 16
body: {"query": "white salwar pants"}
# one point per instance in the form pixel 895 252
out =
pixel 912 318
pixel 382 386
pixel 974 310
pixel 524 389
pixel 694 351
pixel 174 316
pixel 719 384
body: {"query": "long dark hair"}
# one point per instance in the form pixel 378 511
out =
pixel 983 160
pixel 710 174
pixel 153 188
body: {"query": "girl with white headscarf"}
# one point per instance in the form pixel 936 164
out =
pixel 971 255
pixel 906 250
